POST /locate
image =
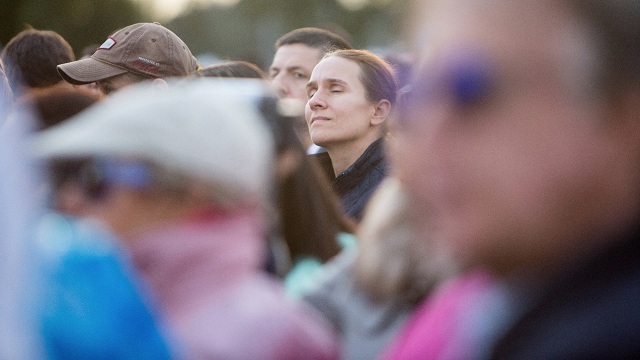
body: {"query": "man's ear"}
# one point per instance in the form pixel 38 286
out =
pixel 381 112
pixel 160 84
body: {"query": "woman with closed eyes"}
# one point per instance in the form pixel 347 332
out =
pixel 350 96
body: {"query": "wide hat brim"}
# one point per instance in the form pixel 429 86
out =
pixel 88 70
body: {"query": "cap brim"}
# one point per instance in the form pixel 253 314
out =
pixel 88 70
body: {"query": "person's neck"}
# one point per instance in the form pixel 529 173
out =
pixel 344 155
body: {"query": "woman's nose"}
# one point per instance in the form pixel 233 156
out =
pixel 316 101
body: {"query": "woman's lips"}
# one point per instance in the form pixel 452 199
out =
pixel 319 118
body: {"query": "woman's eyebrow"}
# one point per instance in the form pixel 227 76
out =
pixel 335 81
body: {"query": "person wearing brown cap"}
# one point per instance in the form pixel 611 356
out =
pixel 133 54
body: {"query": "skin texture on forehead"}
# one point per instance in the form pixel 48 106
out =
pixel 535 23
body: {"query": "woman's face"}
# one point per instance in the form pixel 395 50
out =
pixel 338 111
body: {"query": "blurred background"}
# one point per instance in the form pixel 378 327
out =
pixel 214 30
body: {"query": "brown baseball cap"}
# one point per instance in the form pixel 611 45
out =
pixel 148 49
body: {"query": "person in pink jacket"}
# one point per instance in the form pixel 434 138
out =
pixel 181 176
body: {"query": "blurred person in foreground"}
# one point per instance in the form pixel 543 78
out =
pixel 522 135
pixel 67 290
pixel 51 107
pixel 18 330
pixel 297 53
pixel 136 53
pixel 165 178
pixel 6 95
pixel 350 97
pixel 30 59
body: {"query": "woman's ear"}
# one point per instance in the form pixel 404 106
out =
pixel 381 112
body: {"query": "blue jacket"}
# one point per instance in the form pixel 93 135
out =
pixel 92 306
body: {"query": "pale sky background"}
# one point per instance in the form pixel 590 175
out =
pixel 165 10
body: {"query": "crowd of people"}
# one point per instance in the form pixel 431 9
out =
pixel 478 198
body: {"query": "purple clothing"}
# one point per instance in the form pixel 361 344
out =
pixel 205 275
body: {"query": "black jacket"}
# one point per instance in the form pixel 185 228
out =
pixel 593 313
pixel 355 185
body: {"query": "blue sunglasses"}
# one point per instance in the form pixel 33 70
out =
pixel 467 80
pixel 97 176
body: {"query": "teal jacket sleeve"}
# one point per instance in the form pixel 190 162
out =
pixel 92 306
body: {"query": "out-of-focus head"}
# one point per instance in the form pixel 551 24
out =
pixel 53 106
pixel 162 153
pixel 232 69
pixel 350 94
pixel 396 256
pixel 30 59
pixel 135 53
pixel 520 131
pixel 297 52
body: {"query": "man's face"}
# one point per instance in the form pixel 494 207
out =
pixel 114 83
pixel 291 68
pixel 500 140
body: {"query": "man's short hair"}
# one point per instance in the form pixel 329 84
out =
pixel 30 58
pixel 314 37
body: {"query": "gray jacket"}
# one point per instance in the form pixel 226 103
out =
pixel 365 327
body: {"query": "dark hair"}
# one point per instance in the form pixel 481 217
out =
pixel 310 213
pixel 55 105
pixel 314 37
pixel 376 74
pixel 232 69
pixel 615 26
pixel 31 57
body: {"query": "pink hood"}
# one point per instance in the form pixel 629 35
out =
pixel 205 275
